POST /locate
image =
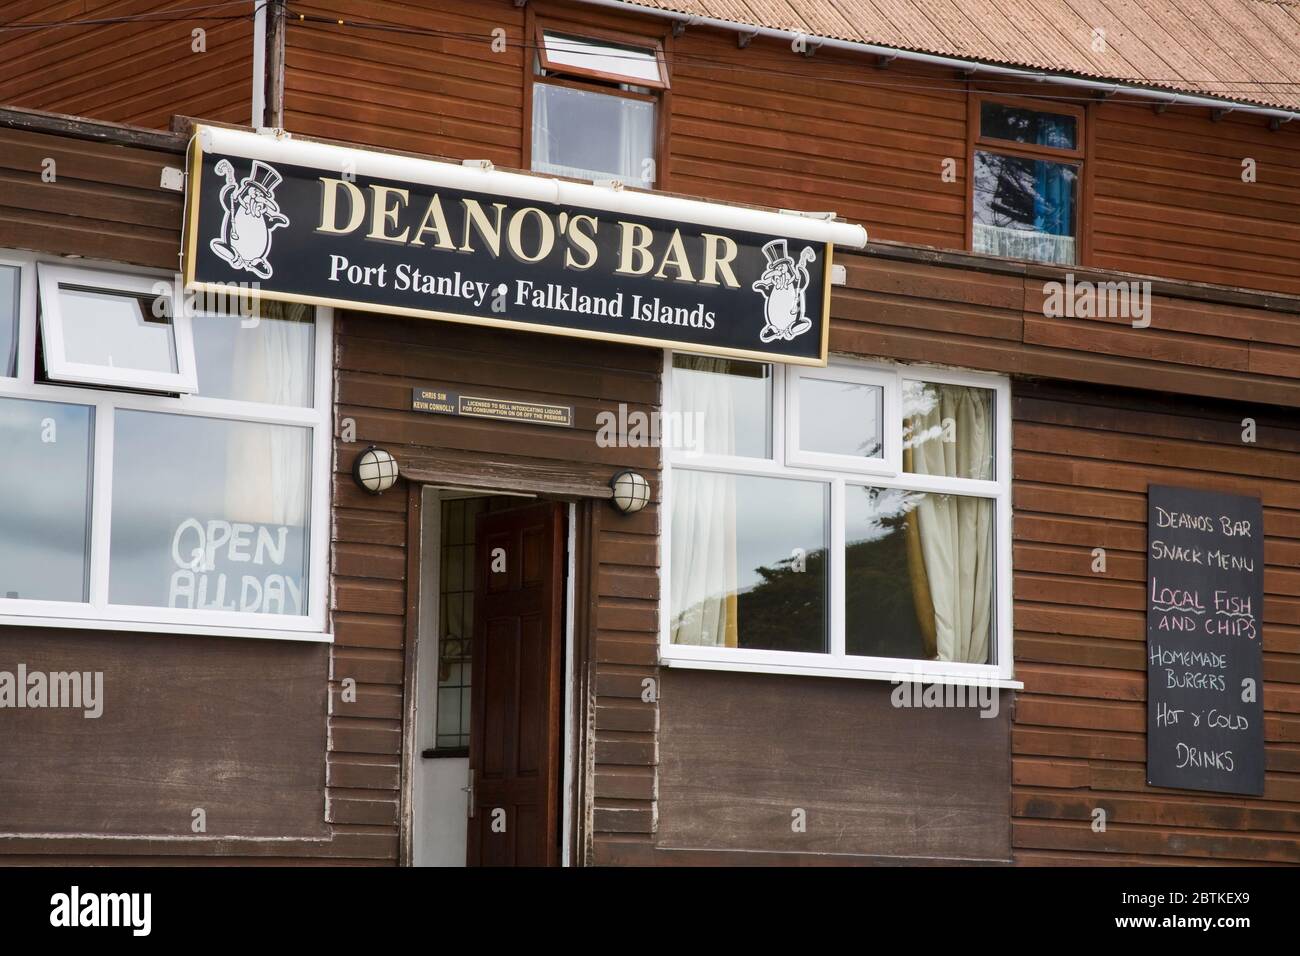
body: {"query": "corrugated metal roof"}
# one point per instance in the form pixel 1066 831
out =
pixel 1245 50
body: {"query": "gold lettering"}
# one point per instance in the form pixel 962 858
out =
pixel 713 262
pixel 635 245
pixel 583 241
pixel 490 233
pixel 383 215
pixel 328 204
pixel 675 258
pixel 434 221
pixel 516 234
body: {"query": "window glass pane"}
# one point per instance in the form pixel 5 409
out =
pixel 841 418
pixel 749 562
pixel 9 287
pixel 1022 125
pixel 589 135
pixel 599 56
pixel 456 631
pixel 267 358
pixel 45 500
pixel 209 514
pixel 918 576
pixel 948 430
pixel 116 330
pixel 1024 208
pixel 721 407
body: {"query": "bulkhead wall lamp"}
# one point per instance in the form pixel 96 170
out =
pixel 375 470
pixel 631 491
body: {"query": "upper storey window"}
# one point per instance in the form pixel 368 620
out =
pixel 596 106
pixel 1027 164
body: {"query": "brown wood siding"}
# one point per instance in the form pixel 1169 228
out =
pixel 767 127
pixel 379 361
pixel 142 72
pixel 906 304
pixel 259 769
pixel 440 90
pixel 233 727
pixel 741 753
pixel 762 125
pixel 1082 461
pixel 105 202
pixel 900 302
pixel 1170 201
pixel 1163 193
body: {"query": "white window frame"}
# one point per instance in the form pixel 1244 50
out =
pixel 97 612
pixel 9 259
pixel 887 463
pixel 565 56
pixel 837 663
pixel 50 277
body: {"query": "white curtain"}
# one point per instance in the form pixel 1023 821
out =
pixel 704 579
pixel 636 142
pixel 1022 244
pixel 955 532
pixel 267 466
pixel 704 559
pixel 554 133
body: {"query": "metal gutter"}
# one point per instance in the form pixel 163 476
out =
pixel 1109 88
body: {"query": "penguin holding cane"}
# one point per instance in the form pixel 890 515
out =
pixel 784 286
pixel 251 216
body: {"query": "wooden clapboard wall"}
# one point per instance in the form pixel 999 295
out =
pixel 233 727
pixel 1163 193
pixel 439 90
pixel 964 310
pixel 887 146
pixel 73 195
pixel 1169 197
pixel 106 202
pixel 746 757
pixel 1082 460
pixel 380 360
pixel 900 302
pixel 139 65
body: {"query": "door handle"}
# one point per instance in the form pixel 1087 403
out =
pixel 470 790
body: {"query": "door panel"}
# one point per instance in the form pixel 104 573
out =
pixel 515 732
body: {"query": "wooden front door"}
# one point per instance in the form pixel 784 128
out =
pixel 514 752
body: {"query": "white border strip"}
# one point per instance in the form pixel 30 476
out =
pixel 166 628
pixel 569 797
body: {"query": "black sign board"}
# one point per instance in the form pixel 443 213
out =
pixel 1205 603
pixel 445 401
pixel 337 236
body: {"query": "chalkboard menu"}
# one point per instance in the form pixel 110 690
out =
pixel 1205 603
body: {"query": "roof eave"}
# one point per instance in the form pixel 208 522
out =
pixel 1105 87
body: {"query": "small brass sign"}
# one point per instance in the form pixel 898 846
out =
pixel 444 401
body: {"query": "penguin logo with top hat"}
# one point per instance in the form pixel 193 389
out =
pixel 784 287
pixel 252 214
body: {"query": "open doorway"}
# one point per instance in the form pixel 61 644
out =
pixel 492 688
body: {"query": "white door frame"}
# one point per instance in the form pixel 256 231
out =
pixel 420 735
